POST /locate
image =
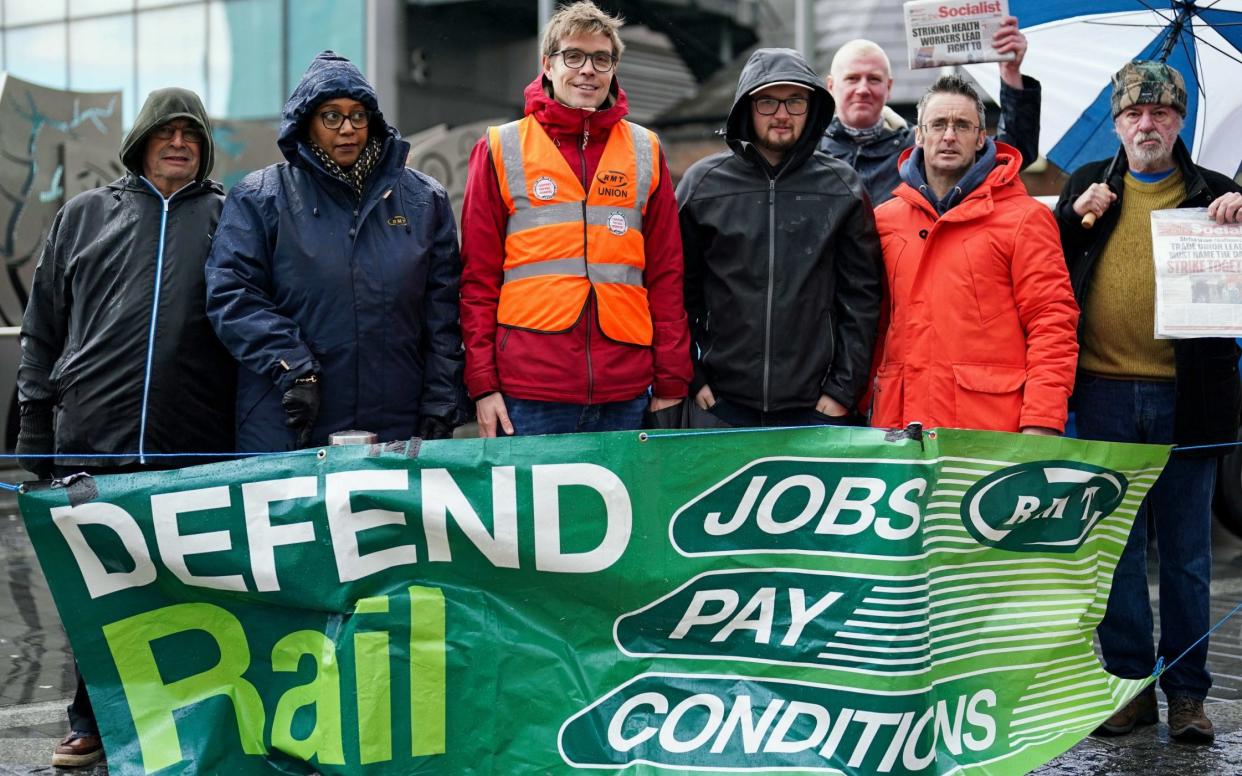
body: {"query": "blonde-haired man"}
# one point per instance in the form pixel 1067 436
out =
pixel 571 292
pixel 869 136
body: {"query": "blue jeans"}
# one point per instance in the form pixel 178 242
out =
pixel 531 417
pixel 1179 505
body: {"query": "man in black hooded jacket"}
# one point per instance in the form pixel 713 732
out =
pixel 119 365
pixel 783 265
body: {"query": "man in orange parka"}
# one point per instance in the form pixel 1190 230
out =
pixel 982 325
pixel 571 290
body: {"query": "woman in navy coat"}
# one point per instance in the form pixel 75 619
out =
pixel 333 278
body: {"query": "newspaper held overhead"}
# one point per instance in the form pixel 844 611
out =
pixel 953 32
pixel 1198 275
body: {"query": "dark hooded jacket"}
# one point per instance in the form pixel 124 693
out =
pixel 306 279
pixel 115 337
pixel 783 265
pixel 1208 394
pixel 876 158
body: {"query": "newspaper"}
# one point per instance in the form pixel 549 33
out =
pixel 953 32
pixel 1198 275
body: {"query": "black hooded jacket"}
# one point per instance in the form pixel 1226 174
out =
pixel 783 266
pixel 125 373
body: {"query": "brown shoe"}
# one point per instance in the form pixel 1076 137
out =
pixel 78 750
pixel 1188 722
pixel 1140 711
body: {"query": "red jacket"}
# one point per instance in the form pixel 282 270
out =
pixel 981 320
pixel 581 365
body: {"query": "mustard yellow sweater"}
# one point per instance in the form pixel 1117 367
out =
pixel 1119 314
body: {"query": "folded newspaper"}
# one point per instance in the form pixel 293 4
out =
pixel 953 32
pixel 1198 275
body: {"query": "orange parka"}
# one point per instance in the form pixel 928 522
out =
pixel 981 323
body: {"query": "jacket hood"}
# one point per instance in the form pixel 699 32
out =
pixel 776 65
pixel 560 119
pixel 913 173
pixel 994 174
pixel 329 76
pixel 161 107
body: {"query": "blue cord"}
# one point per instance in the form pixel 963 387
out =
pixel 679 433
pixel 1161 667
pixel 1207 447
pixel 148 455
pixel 17 487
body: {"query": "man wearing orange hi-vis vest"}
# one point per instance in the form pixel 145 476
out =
pixel 571 292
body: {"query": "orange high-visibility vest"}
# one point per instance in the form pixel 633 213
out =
pixel 562 242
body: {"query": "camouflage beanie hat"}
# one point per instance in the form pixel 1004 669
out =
pixel 1146 82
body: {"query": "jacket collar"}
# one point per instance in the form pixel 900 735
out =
pixel 562 121
pixel 1196 186
pixel 892 127
pixel 914 173
pixel 1002 182
pixel 131 182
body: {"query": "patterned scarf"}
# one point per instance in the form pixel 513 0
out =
pixel 356 175
pixel 864 135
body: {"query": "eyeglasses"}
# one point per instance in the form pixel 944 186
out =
pixel 768 106
pixel 574 59
pixel 333 119
pixel 941 126
pixel 188 134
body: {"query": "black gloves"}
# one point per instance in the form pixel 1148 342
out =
pixel 35 437
pixel 434 427
pixel 301 404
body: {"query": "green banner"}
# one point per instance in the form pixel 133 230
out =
pixel 801 601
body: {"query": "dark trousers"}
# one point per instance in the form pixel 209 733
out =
pixel 730 414
pixel 81 713
pixel 1179 504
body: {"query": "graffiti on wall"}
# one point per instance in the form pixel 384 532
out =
pixel 53 144
pixel 443 153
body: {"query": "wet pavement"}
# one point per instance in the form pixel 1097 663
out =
pixel 36 676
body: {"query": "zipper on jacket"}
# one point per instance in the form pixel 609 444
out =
pixel 586 133
pixel 155 307
pixel 590 372
pixel 767 322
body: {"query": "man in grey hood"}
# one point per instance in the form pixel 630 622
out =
pixel 782 260
pixel 120 369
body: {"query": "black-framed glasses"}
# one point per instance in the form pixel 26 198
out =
pixel 188 134
pixel 333 119
pixel 941 126
pixel 768 106
pixel 574 59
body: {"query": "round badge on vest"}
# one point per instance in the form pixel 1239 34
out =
pixel 545 188
pixel 617 224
